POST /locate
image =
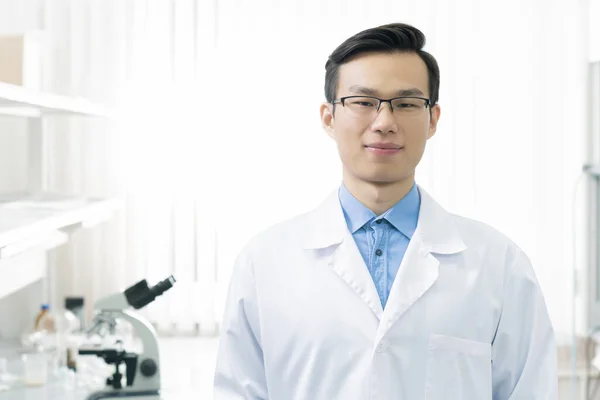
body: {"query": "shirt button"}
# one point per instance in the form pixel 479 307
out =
pixel 382 346
pixel 379 252
pixel 378 221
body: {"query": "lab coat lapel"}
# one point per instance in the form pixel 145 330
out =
pixel 418 272
pixel 326 229
pixel 435 234
pixel 349 265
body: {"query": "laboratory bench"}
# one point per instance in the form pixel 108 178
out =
pixel 187 367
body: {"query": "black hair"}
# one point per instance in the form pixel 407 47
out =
pixel 388 38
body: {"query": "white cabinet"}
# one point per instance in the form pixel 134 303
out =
pixel 37 219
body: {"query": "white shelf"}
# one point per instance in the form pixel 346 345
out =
pixel 44 221
pixel 21 102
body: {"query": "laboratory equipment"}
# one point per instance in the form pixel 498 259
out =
pixel 142 370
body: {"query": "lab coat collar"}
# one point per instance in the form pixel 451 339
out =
pixel 326 225
pixel 435 228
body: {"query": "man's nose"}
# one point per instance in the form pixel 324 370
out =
pixel 385 120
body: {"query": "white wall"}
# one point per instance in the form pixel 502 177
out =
pixel 594 29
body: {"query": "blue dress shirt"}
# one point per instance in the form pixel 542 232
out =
pixel 382 240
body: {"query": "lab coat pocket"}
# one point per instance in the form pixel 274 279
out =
pixel 458 369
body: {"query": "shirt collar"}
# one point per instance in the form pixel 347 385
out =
pixel 403 215
pixel 356 213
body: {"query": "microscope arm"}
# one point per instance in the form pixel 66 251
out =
pixel 145 330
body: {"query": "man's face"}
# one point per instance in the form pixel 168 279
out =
pixel 361 134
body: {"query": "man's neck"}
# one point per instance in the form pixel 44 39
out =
pixel 378 197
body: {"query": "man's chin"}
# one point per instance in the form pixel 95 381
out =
pixel 387 175
pixel 387 179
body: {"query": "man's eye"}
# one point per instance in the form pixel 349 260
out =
pixel 364 103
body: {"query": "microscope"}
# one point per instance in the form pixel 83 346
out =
pixel 142 370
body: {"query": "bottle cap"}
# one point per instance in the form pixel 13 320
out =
pixel 73 302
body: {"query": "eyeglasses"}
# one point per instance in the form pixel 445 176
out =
pixel 368 106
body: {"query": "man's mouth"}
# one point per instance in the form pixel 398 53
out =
pixel 383 149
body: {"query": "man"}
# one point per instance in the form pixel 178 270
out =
pixel 380 293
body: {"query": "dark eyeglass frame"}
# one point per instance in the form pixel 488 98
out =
pixel 342 100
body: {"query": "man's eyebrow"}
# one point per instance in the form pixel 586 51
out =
pixel 362 90
pixel 410 92
pixel 372 92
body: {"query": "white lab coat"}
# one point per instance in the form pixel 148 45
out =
pixel 465 317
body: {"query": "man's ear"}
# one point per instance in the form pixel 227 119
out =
pixel 327 119
pixel 433 121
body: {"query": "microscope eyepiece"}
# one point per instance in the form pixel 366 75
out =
pixel 163 286
pixel 140 294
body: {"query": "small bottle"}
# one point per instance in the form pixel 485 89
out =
pixel 45 321
pixel 70 324
pixel 76 306
pixel 67 326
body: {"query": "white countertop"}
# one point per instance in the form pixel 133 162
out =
pixel 56 393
